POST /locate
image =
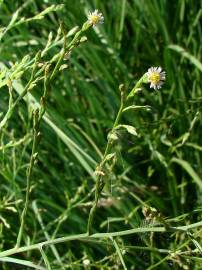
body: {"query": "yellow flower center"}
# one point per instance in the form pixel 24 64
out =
pixel 95 19
pixel 155 78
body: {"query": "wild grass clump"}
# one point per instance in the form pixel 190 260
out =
pixel 100 153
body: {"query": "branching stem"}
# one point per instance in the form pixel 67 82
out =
pixel 99 185
pixel 85 236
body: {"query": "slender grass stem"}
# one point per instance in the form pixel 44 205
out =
pixel 37 116
pixel 28 185
pixel 86 236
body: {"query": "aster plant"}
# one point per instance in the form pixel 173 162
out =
pixel 155 76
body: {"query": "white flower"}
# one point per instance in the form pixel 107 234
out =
pixel 86 262
pixel 95 17
pixel 156 76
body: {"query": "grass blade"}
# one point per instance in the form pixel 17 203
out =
pixel 22 262
pixel 185 165
pixel 187 55
pixel 118 252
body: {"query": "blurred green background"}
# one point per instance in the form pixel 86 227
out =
pixel 162 166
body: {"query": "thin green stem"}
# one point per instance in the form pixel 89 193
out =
pixel 85 236
pixel 21 96
pixel 119 112
pixel 37 116
pixel 137 86
pixel 46 261
pixel 12 107
pixel 66 48
pixel 57 66
pixel 28 184
pixel 118 252
pixel 99 185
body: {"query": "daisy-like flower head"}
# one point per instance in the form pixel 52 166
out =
pixel 156 76
pixel 95 17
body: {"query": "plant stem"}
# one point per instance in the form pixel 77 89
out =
pixel 136 88
pixel 29 174
pixel 66 49
pixel 99 185
pixel 37 116
pixel 21 96
pixel 99 235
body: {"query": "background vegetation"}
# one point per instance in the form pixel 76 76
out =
pixel 161 167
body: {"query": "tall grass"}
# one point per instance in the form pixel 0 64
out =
pixel 149 213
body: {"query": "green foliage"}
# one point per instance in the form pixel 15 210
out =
pixel 74 85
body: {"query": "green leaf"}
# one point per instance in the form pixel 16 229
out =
pixel 195 242
pixel 130 129
pixel 134 107
pixel 118 252
pixel 109 156
pixel 187 55
pixel 185 165
pixel 22 262
pixel 112 136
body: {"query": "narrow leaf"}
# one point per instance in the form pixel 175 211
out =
pixel 109 156
pixel 187 55
pixel 185 165
pixel 134 107
pixel 118 252
pixel 21 262
pixel 130 129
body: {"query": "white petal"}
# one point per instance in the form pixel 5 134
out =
pixel 159 69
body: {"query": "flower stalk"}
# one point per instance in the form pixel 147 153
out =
pixel 37 117
pixel 137 87
pixel 29 175
pixel 38 113
pixel 99 185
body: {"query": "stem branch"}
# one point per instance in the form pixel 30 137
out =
pixel 99 184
